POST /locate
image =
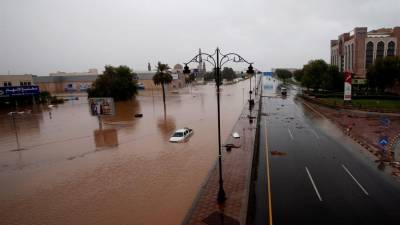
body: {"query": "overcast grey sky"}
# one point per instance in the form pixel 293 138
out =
pixel 43 36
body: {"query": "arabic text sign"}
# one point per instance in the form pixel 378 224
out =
pixel 19 91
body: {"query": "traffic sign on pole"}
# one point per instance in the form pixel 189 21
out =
pixel 383 141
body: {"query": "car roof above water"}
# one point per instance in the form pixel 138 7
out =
pixel 180 130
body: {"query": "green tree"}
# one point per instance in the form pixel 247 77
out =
pixel 116 82
pixel 283 74
pixel 162 77
pixel 313 74
pixel 208 76
pixel 384 73
pixel 332 79
pixel 190 78
pixel 228 74
pixel 298 74
pixel 44 96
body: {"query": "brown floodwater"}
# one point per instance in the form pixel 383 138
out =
pixel 74 169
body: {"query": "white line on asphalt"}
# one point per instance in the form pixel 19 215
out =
pixel 315 187
pixel 315 133
pixel 351 175
pixel 290 133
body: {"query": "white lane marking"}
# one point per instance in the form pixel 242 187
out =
pixel 315 187
pixel 351 175
pixel 315 133
pixel 290 133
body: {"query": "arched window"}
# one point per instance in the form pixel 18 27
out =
pixel 369 54
pixel 391 48
pixel 352 56
pixel 380 49
pixel 346 57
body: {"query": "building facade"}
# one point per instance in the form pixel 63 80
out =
pixel 69 84
pixel 16 80
pixel 355 51
pixel 90 72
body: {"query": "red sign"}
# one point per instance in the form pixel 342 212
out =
pixel 347 86
pixel 347 77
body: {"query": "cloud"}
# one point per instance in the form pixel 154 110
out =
pixel 44 36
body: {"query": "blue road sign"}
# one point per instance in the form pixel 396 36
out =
pixel 384 121
pixel 268 74
pixel 383 141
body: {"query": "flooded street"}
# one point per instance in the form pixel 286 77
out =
pixel 74 170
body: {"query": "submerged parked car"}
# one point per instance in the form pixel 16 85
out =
pixel 181 135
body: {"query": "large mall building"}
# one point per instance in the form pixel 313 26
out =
pixel 355 51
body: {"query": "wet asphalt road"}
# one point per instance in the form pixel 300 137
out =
pixel 318 175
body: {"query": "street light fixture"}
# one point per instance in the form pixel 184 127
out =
pixel 217 60
pixel 250 71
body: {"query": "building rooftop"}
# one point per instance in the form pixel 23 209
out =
pixel 381 31
pixel 51 79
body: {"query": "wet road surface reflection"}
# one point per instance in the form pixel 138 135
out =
pixel 77 169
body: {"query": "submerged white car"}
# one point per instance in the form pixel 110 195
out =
pixel 181 135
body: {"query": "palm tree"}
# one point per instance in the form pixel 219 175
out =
pixel 162 77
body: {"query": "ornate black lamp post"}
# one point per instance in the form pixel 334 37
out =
pixel 217 60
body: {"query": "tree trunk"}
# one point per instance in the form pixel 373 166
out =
pixel 163 94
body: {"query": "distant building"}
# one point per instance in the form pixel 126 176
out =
pixel 90 72
pixel 16 80
pixel 201 68
pixel 178 79
pixel 68 84
pixel 355 51
pixel 19 86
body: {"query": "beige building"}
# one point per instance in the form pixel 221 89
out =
pixel 72 84
pixel 355 51
pixel 16 80
pixel 146 78
pixel 90 72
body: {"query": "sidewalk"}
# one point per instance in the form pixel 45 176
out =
pixel 236 165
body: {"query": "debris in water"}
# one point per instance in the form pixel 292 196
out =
pixel 278 153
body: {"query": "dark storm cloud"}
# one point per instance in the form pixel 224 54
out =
pixel 44 36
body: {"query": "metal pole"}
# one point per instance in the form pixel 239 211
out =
pixel 250 89
pixel 255 84
pixel 15 130
pixel 221 193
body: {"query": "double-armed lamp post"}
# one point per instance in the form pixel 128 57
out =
pixel 217 60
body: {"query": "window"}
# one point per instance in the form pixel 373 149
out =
pixel 352 56
pixel 369 54
pixel 7 84
pixel 380 49
pixel 24 83
pixel 391 48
